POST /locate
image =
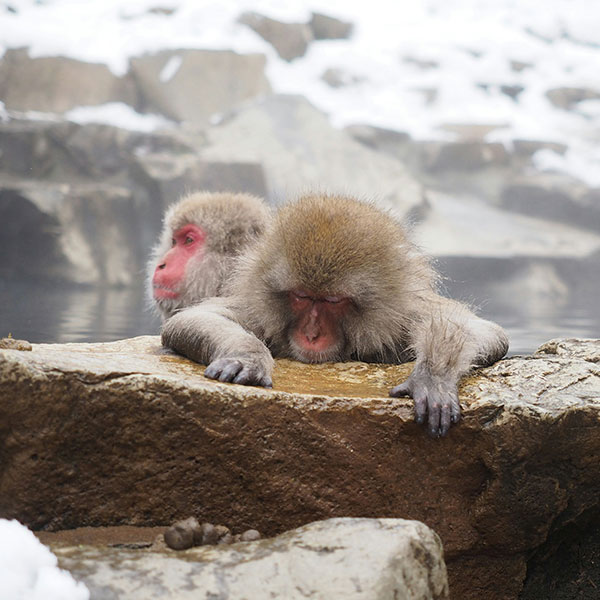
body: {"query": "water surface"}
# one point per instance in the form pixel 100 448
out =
pixel 40 312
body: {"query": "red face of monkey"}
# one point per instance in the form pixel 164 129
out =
pixel 169 275
pixel 317 332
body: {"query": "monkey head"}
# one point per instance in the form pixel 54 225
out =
pixel 201 236
pixel 334 271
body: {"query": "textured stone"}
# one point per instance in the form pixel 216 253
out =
pixel 462 156
pixel 349 559
pixel 125 432
pixel 167 177
pixel 461 226
pixel 194 85
pixel 57 83
pixel 554 196
pixel 290 40
pixel 85 233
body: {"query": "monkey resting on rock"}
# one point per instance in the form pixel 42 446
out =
pixel 335 279
pixel 202 235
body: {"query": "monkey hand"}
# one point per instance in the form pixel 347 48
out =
pixel 434 396
pixel 245 369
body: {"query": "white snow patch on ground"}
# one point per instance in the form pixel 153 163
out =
pixel 28 569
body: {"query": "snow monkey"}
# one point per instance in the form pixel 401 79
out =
pixel 336 279
pixel 201 237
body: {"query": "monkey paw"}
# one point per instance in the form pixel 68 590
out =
pixel 238 370
pixel 435 398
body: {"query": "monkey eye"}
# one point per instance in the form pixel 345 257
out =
pixel 188 240
pixel 300 294
pixel 333 299
pixel 173 242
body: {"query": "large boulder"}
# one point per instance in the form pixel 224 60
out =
pixel 455 226
pixel 67 152
pixel 556 196
pixel 362 559
pixel 56 84
pixel 194 85
pixel 167 176
pixel 125 432
pixel 85 233
pixel 300 151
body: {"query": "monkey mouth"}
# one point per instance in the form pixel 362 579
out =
pixel 311 352
pixel 162 292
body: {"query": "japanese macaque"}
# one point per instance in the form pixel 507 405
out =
pixel 335 279
pixel 202 235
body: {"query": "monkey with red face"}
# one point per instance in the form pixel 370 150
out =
pixel 201 237
pixel 335 279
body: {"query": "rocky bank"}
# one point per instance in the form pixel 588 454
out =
pixel 127 433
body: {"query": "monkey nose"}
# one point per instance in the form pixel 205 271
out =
pixel 312 332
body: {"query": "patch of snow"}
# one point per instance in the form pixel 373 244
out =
pixel 118 114
pixel 170 69
pixel 28 570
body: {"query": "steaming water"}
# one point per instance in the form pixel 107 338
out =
pixel 42 313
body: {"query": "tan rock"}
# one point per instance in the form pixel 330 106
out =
pixel 57 83
pixel 337 559
pixel 124 432
pixel 193 85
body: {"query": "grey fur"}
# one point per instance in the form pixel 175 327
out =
pixel 397 314
pixel 231 223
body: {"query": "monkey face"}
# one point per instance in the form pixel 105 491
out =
pixel 170 273
pixel 316 333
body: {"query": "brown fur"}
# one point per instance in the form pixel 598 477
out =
pixel 332 245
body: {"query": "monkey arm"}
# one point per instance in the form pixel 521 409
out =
pixel 448 340
pixel 210 333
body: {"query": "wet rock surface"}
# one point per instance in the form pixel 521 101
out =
pixel 126 433
pixel 338 558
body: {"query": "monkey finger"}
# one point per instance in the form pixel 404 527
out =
pixel 401 390
pixel 420 409
pixel 230 371
pixel 445 419
pixel 213 370
pixel 221 368
pixel 455 408
pixel 435 413
pixel 248 376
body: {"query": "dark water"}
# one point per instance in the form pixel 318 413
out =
pixel 509 296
